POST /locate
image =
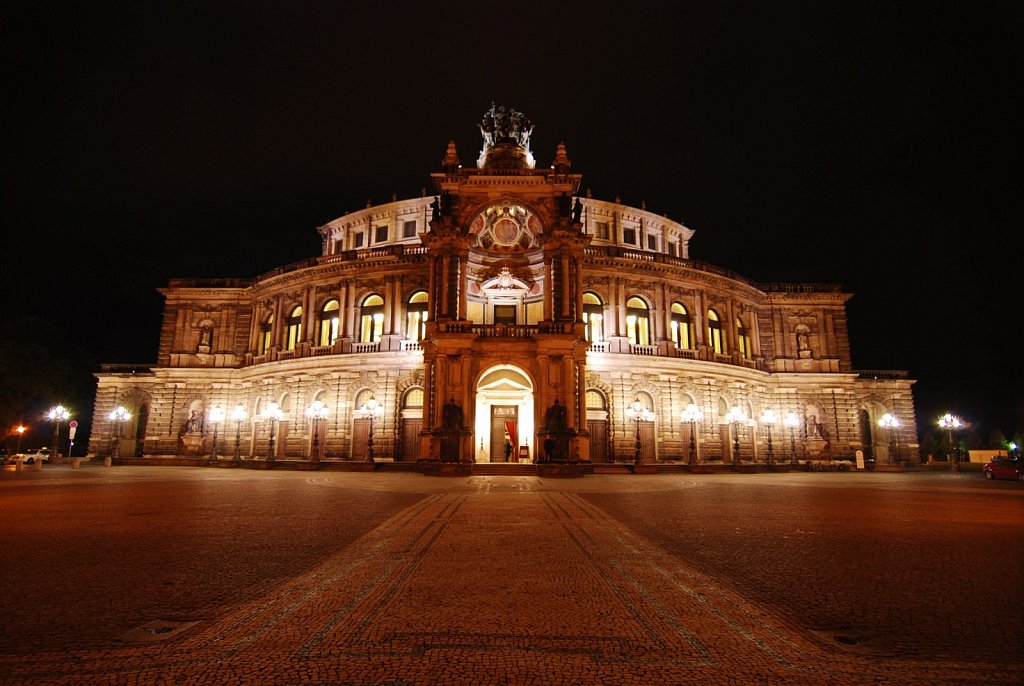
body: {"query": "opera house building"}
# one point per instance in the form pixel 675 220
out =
pixel 504 317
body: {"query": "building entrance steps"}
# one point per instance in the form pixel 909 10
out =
pixel 504 469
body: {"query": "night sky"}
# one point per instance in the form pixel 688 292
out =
pixel 866 144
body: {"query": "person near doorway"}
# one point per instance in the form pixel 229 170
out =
pixel 508 449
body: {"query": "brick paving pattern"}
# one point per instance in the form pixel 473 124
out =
pixel 492 580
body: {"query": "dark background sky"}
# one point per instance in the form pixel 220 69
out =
pixel 868 144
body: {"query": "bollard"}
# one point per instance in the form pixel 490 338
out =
pixel 37 465
pixel 106 461
pixel 75 461
pixel 17 465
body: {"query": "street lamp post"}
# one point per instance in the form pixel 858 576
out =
pixel 371 410
pixel 637 413
pixel 951 423
pixel 890 423
pixel 769 419
pixel 238 414
pixel 56 415
pixel 216 417
pixel 20 430
pixel 792 421
pixel 117 417
pixel 317 412
pixel 272 414
pixel 736 418
pixel 692 414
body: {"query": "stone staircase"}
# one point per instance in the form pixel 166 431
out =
pixel 504 469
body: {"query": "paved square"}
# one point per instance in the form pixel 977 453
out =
pixel 484 580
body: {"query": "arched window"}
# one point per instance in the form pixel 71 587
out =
pixel 593 317
pixel 266 329
pixel 743 340
pixel 638 324
pixel 413 398
pixel 328 330
pixel 715 333
pixel 680 326
pixel 416 317
pixel 595 400
pixel 371 319
pixel 294 334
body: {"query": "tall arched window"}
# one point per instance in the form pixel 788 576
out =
pixel 416 317
pixel 638 324
pixel 328 330
pixel 266 329
pixel 371 319
pixel 593 317
pixel 680 326
pixel 294 334
pixel 715 333
pixel 743 340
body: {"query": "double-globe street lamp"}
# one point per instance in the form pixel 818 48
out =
pixel 56 415
pixel 371 409
pixel 890 423
pixel 770 419
pixel 736 417
pixel 692 414
pixel 216 417
pixel 316 412
pixel 238 415
pixel 272 413
pixel 792 421
pixel 951 423
pixel 638 413
pixel 117 416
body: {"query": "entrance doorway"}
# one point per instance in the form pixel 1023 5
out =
pixel 504 433
pixel 504 407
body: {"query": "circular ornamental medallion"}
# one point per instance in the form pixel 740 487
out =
pixel 505 231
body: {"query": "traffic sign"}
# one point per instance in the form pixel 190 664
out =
pixel 73 423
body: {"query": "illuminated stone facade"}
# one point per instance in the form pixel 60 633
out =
pixel 489 313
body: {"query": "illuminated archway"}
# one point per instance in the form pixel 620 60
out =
pixel 504 405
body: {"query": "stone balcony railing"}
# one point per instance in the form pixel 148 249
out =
pixel 510 332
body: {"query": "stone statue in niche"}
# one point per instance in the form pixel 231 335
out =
pixel 815 430
pixel 194 424
pixel 205 339
pixel 803 342
pixel 191 434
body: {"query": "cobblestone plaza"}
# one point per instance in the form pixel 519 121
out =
pixel 141 575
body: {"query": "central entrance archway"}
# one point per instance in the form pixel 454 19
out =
pixel 504 410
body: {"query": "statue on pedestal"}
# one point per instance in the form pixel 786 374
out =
pixel 451 432
pixel 556 426
pixel 191 434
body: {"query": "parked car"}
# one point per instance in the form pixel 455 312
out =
pixel 1005 468
pixel 43 454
